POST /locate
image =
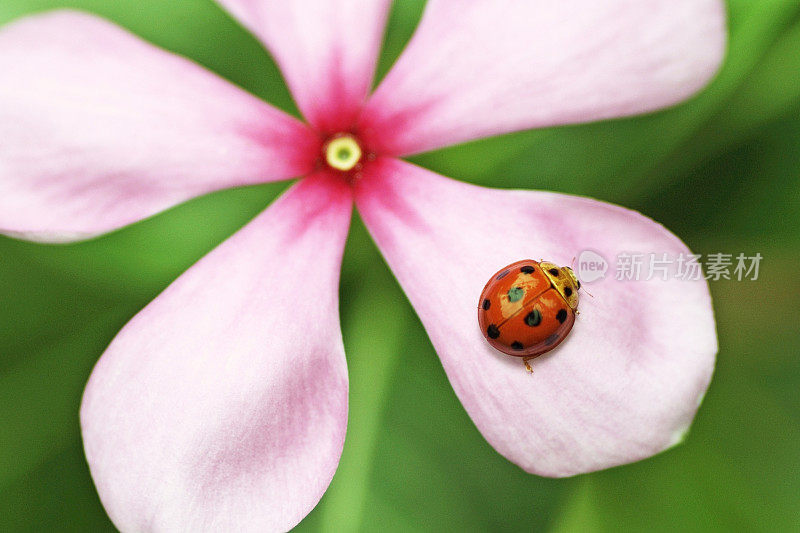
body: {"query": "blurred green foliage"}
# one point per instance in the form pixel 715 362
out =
pixel 721 171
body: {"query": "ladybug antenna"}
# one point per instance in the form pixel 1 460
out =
pixel 587 292
pixel 572 264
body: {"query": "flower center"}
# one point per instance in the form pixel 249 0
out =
pixel 343 152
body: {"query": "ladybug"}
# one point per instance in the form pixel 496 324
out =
pixel 528 308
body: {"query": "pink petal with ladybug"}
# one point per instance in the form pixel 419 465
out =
pixel 326 49
pixel 476 68
pixel 99 129
pixel 626 382
pixel 222 405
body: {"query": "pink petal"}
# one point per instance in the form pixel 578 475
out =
pixel 99 129
pixel 222 405
pixel 326 49
pixel 478 68
pixel 626 382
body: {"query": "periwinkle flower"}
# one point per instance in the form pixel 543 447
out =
pixel 223 404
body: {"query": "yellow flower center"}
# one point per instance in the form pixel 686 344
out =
pixel 343 153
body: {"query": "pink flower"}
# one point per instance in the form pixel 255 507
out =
pixel 223 404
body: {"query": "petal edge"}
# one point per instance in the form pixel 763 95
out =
pixel 623 386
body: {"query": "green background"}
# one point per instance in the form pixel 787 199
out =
pixel 721 171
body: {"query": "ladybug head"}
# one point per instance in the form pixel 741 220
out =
pixel 573 277
pixel 564 281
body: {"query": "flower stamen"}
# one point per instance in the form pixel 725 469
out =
pixel 343 153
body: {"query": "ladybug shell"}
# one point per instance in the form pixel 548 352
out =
pixel 523 312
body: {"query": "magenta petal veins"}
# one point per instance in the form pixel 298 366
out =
pixel 222 405
pixel 476 68
pixel 327 51
pixel 99 129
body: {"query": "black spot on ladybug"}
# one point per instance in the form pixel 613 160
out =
pixel 527 269
pixel 486 304
pixel 534 318
pixel 551 339
pixel 554 271
pixel 493 331
pixel 561 316
pixel 568 291
pixel 503 274
pixel 516 345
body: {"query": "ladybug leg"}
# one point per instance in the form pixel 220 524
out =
pixel 527 366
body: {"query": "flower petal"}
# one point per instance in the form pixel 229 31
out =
pixel 626 382
pixel 99 129
pixel 222 405
pixel 326 49
pixel 478 68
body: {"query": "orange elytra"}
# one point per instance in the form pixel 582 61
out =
pixel 528 308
